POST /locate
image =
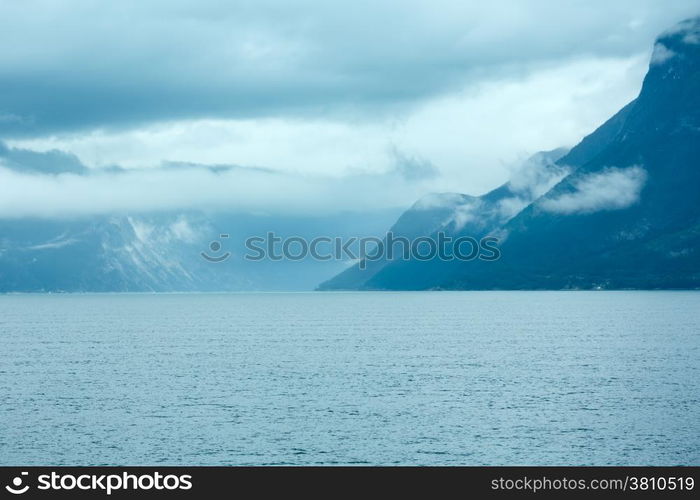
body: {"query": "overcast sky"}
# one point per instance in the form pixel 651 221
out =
pixel 409 96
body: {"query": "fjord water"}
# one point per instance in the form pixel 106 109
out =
pixel 351 378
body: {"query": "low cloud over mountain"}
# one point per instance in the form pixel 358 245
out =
pixel 611 189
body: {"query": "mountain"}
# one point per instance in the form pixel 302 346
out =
pixel 455 214
pixel 626 216
pixel 157 251
pixel 163 252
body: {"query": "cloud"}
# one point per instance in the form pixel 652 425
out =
pixel 441 201
pixel 463 214
pixel 82 65
pixel 48 162
pixel 471 137
pixel 610 189
pixel 688 28
pixel 413 167
pixel 661 54
pixel 139 106
pixel 510 207
pixel 538 174
pixel 200 187
pixel 533 178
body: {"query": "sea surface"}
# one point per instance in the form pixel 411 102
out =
pixel 548 378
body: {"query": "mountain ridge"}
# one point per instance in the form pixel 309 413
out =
pixel 625 217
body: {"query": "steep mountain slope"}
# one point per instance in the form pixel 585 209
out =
pixel 628 216
pixel 455 213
